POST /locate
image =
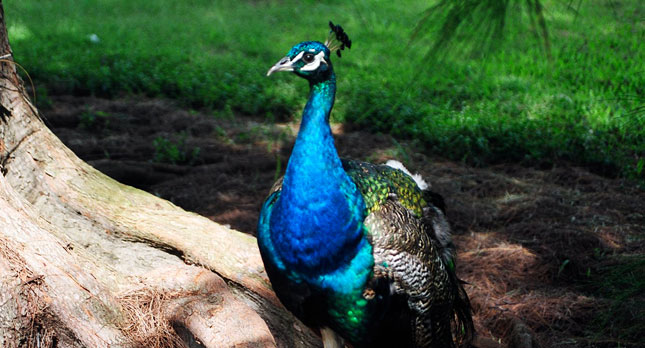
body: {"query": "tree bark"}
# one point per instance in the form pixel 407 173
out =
pixel 88 262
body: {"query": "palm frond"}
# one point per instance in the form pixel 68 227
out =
pixel 476 26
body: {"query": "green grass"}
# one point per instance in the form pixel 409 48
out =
pixel 174 152
pixel 512 106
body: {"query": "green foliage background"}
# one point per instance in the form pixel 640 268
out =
pixel 512 104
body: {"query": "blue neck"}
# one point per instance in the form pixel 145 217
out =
pixel 317 221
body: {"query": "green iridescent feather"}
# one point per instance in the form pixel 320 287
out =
pixel 378 182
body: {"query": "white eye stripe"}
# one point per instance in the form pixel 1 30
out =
pixel 295 59
pixel 315 64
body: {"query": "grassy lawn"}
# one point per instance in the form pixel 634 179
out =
pixel 512 106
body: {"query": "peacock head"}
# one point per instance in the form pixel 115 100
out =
pixel 307 59
pixel 311 59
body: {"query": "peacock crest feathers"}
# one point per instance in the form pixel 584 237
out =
pixel 337 39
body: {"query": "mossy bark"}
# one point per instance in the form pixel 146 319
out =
pixel 87 261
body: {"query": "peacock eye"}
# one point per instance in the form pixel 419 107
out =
pixel 308 58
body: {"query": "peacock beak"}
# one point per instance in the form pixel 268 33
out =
pixel 285 64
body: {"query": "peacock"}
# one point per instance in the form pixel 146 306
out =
pixel 360 251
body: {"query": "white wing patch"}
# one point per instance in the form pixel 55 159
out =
pixel 423 185
pixel 439 223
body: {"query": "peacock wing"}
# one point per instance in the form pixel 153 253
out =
pixel 406 255
pixel 377 182
pixel 412 250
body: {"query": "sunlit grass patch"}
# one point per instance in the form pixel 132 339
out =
pixel 513 104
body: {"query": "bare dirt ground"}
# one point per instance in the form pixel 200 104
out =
pixel 538 248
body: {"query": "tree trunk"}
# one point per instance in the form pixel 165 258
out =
pixel 88 262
